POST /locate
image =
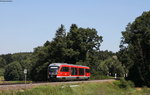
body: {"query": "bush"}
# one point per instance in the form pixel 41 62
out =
pixel 13 71
pixel 2 71
pixel 97 76
pixel 124 84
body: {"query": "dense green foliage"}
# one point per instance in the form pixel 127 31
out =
pixel 2 70
pixel 5 59
pixel 122 83
pixel 135 50
pixel 111 66
pixel 13 71
pixel 23 60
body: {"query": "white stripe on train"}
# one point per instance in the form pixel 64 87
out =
pixel 72 77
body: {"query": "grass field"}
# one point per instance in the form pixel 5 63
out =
pixel 12 82
pixel 108 88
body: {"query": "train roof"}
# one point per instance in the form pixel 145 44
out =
pixel 59 64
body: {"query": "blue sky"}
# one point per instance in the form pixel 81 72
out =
pixel 26 24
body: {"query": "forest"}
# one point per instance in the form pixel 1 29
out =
pixel 82 46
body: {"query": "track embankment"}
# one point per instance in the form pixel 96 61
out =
pixel 31 85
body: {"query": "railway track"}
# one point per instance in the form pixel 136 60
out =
pixel 31 85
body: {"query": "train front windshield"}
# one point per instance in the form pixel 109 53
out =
pixel 53 69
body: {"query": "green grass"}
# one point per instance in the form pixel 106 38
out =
pixel 11 82
pixel 14 82
pixel 82 89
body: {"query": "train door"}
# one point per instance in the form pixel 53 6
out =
pixel 73 73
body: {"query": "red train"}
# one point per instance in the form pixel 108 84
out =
pixel 64 71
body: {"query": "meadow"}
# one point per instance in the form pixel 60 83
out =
pixel 107 88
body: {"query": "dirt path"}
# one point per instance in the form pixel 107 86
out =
pixel 28 86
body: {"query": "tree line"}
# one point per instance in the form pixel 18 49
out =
pixel 82 46
pixel 135 50
pixel 77 46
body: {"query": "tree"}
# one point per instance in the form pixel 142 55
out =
pixel 82 41
pixel 124 58
pixel 13 71
pixel 41 60
pixel 103 55
pixel 2 62
pixel 136 38
pixel 58 45
pixel 2 65
pixel 8 58
pixel 111 65
pixel 74 47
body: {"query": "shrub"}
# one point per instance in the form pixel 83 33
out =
pixel 13 71
pixel 2 72
pixel 124 84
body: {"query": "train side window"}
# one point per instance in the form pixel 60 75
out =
pixel 87 70
pixel 81 71
pixel 73 71
pixel 64 69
